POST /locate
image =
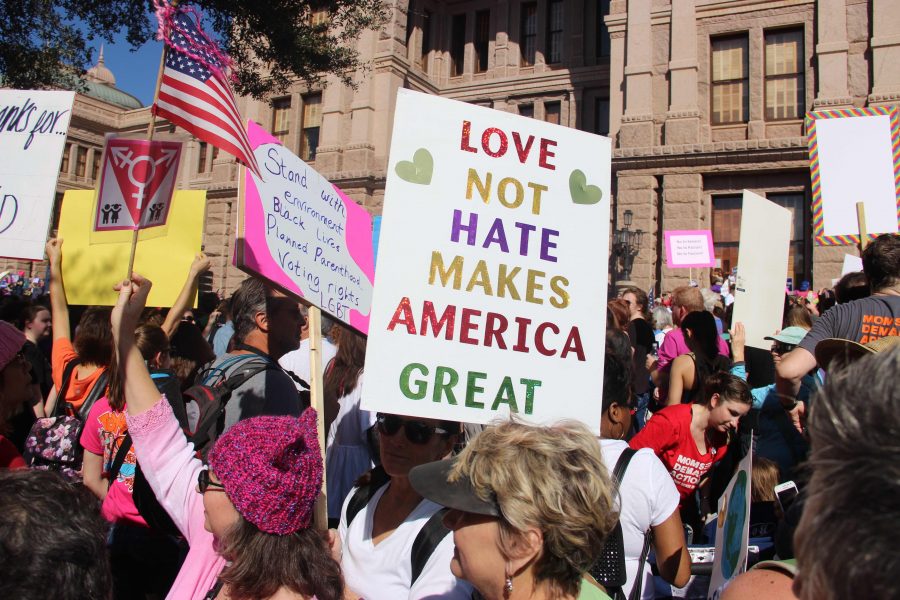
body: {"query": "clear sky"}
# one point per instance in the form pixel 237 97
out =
pixel 135 71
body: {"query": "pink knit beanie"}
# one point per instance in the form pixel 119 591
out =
pixel 271 468
pixel 11 342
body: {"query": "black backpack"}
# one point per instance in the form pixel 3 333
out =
pixel 212 399
pixel 426 540
pixel 609 568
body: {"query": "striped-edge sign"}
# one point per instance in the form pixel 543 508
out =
pixel 854 156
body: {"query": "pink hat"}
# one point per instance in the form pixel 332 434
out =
pixel 11 342
pixel 271 468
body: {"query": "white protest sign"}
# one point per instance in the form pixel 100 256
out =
pixel 33 126
pixel 851 160
pixel 689 249
pixel 489 297
pixel 299 231
pixel 852 264
pixel 762 265
pixel 732 529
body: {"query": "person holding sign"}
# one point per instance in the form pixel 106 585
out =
pixel 248 517
pixel 530 509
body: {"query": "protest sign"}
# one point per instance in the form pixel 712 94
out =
pixel 852 264
pixel 489 298
pixel 732 529
pixel 689 249
pixel 33 127
pixel 136 184
pixel 302 233
pixel 853 158
pixel 762 265
pixel 94 262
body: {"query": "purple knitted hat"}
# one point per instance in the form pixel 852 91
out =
pixel 271 468
pixel 11 342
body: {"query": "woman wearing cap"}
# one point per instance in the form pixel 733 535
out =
pixel 530 509
pixel 15 389
pixel 384 518
pixel 248 518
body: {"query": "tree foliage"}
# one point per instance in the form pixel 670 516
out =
pixel 272 42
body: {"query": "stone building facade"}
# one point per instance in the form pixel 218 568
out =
pixel 702 98
pixel 707 98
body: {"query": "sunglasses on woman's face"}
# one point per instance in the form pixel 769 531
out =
pixel 204 483
pixel 782 348
pixel 417 432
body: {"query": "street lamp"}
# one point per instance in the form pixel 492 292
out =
pixel 627 243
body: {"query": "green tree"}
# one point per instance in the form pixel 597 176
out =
pixel 272 42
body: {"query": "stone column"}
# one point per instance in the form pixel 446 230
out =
pixel 616 81
pixel 637 128
pixel 683 119
pixel 638 193
pixel 885 45
pixel 831 52
pixel 683 208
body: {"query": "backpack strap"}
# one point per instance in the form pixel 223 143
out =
pixel 233 382
pixel 121 453
pixel 97 391
pixel 622 464
pixel 68 372
pixel 619 473
pixel 426 541
pixel 364 493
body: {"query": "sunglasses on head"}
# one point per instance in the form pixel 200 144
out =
pixel 417 432
pixel 204 482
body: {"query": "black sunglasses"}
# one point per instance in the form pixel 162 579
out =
pixel 782 348
pixel 417 432
pixel 204 482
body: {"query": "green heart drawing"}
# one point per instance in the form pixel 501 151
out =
pixel 418 170
pixel 582 193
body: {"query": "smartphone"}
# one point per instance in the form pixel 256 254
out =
pixel 786 493
pixel 654 349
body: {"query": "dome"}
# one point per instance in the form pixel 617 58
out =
pixel 100 74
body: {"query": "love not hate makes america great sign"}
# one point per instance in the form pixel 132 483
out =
pixel 494 310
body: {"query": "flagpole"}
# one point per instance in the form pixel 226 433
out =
pixel 151 129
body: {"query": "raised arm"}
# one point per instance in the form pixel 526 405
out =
pixel 186 297
pixel 738 342
pixel 140 391
pixel 59 306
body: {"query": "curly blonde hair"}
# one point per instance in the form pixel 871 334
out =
pixel 549 478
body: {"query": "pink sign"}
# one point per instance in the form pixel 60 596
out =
pixel 305 235
pixel 689 249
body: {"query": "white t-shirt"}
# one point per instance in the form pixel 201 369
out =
pixel 297 361
pixel 648 498
pixel 384 572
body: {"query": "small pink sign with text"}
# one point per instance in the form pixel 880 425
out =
pixel 689 249
pixel 305 235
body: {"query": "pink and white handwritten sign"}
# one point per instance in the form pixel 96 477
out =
pixel 303 234
pixel 689 249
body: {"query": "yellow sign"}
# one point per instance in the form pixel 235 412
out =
pixel 93 263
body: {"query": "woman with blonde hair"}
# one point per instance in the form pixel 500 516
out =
pixel 530 508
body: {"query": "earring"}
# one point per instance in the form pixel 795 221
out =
pixel 508 588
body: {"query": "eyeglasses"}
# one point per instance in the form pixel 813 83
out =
pixel 782 348
pixel 204 483
pixel 417 432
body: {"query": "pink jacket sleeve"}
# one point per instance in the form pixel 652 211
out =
pixel 168 462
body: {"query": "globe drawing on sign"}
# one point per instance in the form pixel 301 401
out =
pixel 735 523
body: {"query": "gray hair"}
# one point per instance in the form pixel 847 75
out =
pixel 847 536
pixel 248 301
pixel 662 318
pixel 710 299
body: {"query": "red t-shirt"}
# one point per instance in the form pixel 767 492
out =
pixel 9 455
pixel 668 434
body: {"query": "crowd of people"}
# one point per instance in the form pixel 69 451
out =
pixel 148 453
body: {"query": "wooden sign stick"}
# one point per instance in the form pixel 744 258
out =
pixel 863 232
pixel 317 401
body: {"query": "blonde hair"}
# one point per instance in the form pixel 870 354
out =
pixel 763 479
pixel 549 478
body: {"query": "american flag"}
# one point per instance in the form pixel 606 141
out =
pixel 194 93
